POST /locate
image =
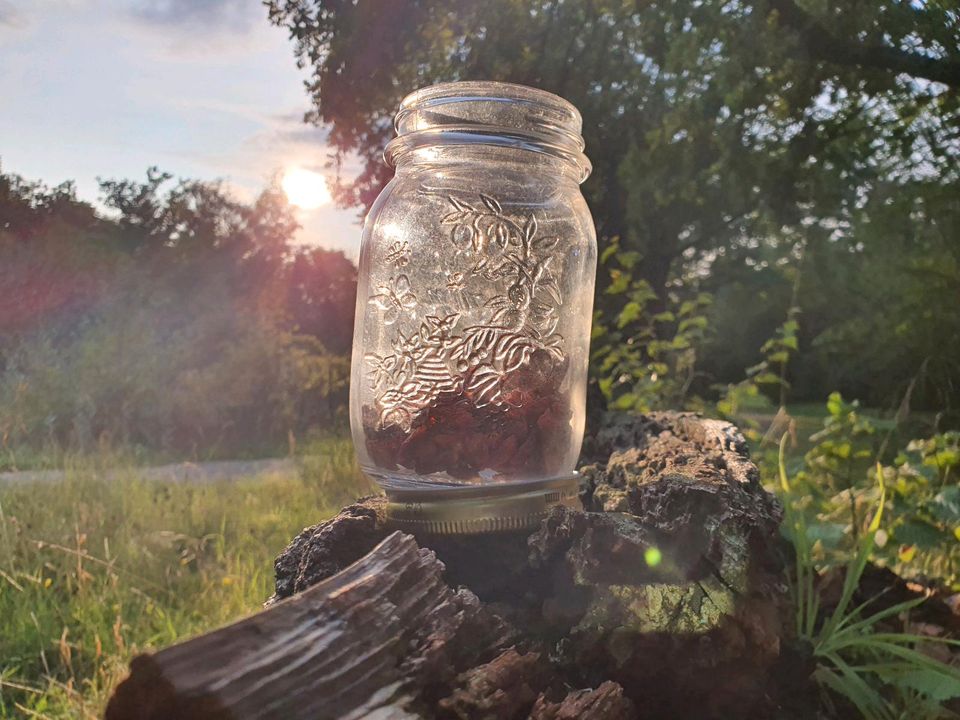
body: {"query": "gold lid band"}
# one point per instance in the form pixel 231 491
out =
pixel 479 509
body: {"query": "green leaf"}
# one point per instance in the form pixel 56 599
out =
pixel 767 378
pixel 831 535
pixel 920 533
pixel 835 404
pixel 849 633
pixel 687 308
pixel 853 687
pixel 608 252
pixel 945 506
pixel 631 311
pixel 606 385
pixel 935 685
pixel 619 282
pixel 878 516
pixel 781 466
pixel 698 322
pixel 943 459
pixel 855 568
pixel 629 259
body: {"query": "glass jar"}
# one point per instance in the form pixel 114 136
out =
pixel 474 306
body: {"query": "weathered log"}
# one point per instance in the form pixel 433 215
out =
pixel 370 641
pixel 665 596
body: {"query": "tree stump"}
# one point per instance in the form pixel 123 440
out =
pixel 665 598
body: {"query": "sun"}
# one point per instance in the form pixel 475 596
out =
pixel 305 189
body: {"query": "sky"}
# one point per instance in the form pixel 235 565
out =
pixel 203 89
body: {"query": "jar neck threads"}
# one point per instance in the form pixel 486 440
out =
pixel 490 114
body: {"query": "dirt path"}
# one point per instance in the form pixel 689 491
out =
pixel 176 472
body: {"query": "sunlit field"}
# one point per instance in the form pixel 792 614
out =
pixel 94 571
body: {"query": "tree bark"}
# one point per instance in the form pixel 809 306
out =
pixel 664 598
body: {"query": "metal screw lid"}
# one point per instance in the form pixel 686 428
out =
pixel 479 509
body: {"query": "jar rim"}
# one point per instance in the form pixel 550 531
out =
pixel 492 89
pixel 537 120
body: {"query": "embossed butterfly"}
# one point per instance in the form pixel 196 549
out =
pixel 394 299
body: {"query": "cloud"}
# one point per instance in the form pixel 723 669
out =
pixel 303 134
pixel 234 15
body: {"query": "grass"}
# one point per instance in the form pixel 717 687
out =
pixel 884 675
pixel 93 572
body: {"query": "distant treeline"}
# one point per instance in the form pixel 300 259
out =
pixel 180 320
pixel 185 322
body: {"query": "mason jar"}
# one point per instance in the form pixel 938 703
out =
pixel 474 305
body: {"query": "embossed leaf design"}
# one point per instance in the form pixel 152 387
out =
pixel 545 244
pixel 477 342
pixel 513 350
pixel 501 234
pixel 554 345
pixel 461 205
pixel 440 325
pixel 447 323
pixel 519 320
pixel 484 386
pixel 545 318
pixel 494 271
pixel 553 290
pixel 492 204
pixel 530 229
pixel 548 325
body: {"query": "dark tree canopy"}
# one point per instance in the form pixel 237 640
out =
pixel 704 120
pixel 729 138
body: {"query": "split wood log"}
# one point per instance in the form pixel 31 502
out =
pixel 356 645
pixel 664 598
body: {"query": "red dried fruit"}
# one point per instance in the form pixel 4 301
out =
pixel 524 432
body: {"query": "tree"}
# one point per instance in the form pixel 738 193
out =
pixel 321 290
pixel 708 123
pixel 182 320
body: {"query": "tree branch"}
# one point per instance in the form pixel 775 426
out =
pixel 825 46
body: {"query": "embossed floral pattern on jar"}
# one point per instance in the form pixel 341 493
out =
pixel 475 295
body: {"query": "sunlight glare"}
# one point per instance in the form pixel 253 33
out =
pixel 305 189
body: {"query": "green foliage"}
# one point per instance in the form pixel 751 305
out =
pixel 920 538
pixel 770 372
pixel 884 675
pixel 723 137
pixel 185 325
pixel 843 448
pixel 924 532
pixel 644 359
pixel 105 563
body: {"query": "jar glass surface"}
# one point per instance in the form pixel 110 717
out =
pixel 475 294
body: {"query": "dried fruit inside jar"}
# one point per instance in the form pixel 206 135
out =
pixel 493 425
